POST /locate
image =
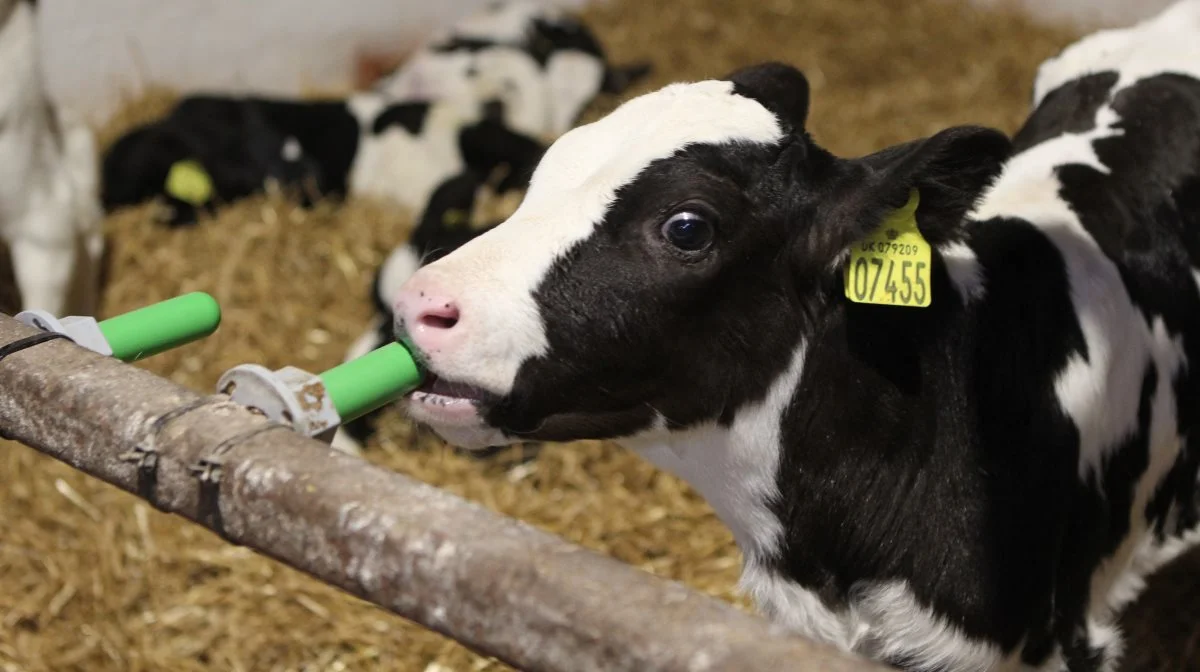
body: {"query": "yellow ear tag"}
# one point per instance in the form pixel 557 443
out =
pixel 891 266
pixel 454 218
pixel 188 182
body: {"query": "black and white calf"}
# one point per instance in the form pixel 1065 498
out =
pixel 544 65
pixel 979 484
pixel 363 146
pixel 50 215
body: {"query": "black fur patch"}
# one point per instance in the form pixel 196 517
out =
pixel 409 116
pixel 240 144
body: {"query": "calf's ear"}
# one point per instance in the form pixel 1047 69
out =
pixel 779 87
pixel 949 170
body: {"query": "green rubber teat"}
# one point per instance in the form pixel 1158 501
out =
pixel 161 326
pixel 376 379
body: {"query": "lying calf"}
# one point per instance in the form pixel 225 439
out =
pixel 365 145
pixel 976 484
pixel 236 145
pixel 50 216
pixel 545 65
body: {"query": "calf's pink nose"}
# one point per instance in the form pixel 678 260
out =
pixel 428 318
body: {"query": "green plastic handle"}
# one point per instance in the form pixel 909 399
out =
pixel 376 379
pixel 162 326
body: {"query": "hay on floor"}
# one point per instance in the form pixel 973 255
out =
pixel 92 579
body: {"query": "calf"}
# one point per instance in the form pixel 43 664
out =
pixel 545 65
pixel 240 143
pixel 364 146
pixel 49 215
pixel 978 483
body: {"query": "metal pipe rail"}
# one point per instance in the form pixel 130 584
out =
pixel 497 585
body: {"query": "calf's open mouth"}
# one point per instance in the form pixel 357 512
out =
pixel 437 390
pixel 444 402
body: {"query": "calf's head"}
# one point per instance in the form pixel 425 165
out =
pixel 666 263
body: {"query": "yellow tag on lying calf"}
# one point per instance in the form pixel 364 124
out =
pixel 188 182
pixel 454 218
pixel 891 266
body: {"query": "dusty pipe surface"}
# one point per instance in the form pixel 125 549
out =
pixel 495 584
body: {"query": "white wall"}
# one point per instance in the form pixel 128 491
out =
pixel 1087 14
pixel 95 51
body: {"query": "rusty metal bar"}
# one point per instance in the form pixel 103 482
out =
pixel 497 585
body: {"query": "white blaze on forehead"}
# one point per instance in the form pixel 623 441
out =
pixel 596 159
pixel 494 276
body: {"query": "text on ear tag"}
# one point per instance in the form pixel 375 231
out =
pixel 891 266
pixel 188 182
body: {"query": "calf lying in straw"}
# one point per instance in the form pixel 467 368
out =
pixel 544 64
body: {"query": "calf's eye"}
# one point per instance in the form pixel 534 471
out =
pixel 688 231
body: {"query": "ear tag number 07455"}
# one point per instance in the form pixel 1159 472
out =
pixel 891 266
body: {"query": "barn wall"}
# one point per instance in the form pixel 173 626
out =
pixel 1086 13
pixel 96 52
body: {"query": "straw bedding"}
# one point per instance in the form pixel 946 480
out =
pixel 92 579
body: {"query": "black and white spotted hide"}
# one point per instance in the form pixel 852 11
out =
pixel 544 65
pixel 410 149
pixel 363 146
pixel 979 484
